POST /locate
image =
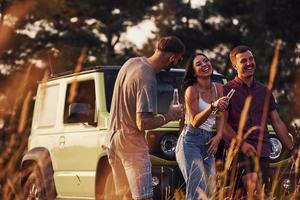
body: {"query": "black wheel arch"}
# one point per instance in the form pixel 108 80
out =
pixel 40 156
pixel 102 170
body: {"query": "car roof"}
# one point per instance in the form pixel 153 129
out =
pixel 88 70
pixel 112 68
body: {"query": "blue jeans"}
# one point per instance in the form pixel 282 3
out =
pixel 197 167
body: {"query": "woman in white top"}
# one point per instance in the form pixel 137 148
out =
pixel 197 144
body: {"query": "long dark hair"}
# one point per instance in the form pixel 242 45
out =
pixel 189 77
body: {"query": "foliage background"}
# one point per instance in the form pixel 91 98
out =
pixel 49 35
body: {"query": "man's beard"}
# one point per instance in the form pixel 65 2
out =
pixel 169 66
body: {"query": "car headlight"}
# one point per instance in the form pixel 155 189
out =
pixel 287 184
pixel 276 148
pixel 168 145
pixel 155 181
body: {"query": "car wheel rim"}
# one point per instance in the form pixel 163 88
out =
pixel 33 193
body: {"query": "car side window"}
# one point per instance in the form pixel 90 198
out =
pixel 80 102
pixel 47 111
pixel 109 81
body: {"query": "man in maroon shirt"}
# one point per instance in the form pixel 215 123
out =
pixel 245 85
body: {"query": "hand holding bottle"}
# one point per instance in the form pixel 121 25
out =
pixel 175 109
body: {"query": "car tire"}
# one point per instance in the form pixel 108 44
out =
pixel 109 188
pixel 106 186
pixel 34 188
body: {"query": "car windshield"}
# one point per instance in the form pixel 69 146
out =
pixel 166 83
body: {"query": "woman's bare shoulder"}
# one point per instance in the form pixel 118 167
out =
pixel 191 91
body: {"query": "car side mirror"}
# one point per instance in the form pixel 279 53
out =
pixel 80 113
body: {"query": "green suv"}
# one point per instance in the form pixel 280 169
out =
pixel 67 158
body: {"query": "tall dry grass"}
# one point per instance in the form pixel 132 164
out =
pixel 15 134
pixel 18 109
pixel 16 131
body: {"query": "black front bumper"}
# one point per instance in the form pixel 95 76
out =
pixel 170 180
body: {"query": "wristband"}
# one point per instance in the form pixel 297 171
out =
pixel 212 107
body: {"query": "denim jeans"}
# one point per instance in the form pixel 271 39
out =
pixel 131 172
pixel 197 167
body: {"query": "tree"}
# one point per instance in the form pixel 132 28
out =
pixel 54 32
pixel 259 24
pixel 219 25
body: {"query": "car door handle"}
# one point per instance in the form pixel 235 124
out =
pixel 62 141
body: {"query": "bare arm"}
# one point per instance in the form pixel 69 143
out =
pixel 147 121
pixel 220 125
pixel 281 130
